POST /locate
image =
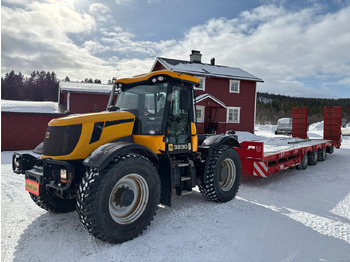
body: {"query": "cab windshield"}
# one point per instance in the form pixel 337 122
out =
pixel 147 103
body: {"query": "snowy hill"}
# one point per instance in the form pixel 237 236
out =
pixel 291 216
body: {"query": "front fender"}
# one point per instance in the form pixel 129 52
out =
pixel 103 155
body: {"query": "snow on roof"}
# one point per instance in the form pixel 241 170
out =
pixel 29 106
pixel 82 87
pixel 188 67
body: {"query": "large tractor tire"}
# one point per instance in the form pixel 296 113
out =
pixel 119 203
pixel 51 202
pixel 223 177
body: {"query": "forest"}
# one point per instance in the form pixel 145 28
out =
pixel 39 86
pixel 271 107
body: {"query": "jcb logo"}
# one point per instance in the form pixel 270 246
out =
pixel 170 147
pixel 47 135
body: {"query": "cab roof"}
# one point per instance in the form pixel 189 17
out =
pixel 154 75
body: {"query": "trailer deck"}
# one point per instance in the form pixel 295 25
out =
pixel 264 156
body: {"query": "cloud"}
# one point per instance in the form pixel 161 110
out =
pixel 292 50
pixel 101 12
pixel 120 2
pixel 98 8
pixel 36 38
pixel 276 44
pixel 118 40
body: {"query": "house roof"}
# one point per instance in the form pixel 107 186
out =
pixel 200 69
pixel 81 87
pixel 205 96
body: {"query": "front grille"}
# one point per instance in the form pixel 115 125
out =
pixel 61 140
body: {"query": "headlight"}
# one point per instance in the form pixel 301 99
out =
pixel 63 176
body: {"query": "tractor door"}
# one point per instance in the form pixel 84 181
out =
pixel 178 126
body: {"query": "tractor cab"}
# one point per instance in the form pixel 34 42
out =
pixel 163 109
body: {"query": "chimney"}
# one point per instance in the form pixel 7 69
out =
pixel 196 56
pixel 212 61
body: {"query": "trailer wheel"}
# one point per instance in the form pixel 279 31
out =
pixel 118 203
pixel 51 202
pixel 304 162
pixel 330 149
pixel 322 154
pixel 313 158
pixel 223 176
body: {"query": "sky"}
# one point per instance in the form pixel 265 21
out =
pixel 298 47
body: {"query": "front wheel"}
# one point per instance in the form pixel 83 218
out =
pixel 223 176
pixel 117 204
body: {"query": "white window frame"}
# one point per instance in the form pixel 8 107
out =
pixel 201 87
pixel 238 86
pixel 202 109
pixel 237 121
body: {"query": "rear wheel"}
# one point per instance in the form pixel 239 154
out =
pixel 223 176
pixel 117 204
pixel 49 201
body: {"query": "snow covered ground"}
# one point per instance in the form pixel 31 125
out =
pixel 291 216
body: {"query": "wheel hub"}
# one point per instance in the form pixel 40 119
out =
pixel 128 199
pixel 227 174
pixel 124 197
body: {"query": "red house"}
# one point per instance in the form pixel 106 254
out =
pixel 226 97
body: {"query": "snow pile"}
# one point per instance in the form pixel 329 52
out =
pixel 29 106
pixel 266 128
pixel 316 127
pixel 290 216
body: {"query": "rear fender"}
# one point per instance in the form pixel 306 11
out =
pixel 216 141
pixel 103 155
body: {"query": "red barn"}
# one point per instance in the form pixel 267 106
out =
pixel 226 97
pixel 79 97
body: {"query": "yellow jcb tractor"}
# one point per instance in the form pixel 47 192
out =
pixel 116 167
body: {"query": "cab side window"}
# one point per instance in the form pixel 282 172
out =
pixel 178 128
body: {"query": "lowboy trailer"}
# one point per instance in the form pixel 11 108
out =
pixel 263 157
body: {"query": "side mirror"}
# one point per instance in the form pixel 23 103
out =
pixel 185 102
pixel 112 108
